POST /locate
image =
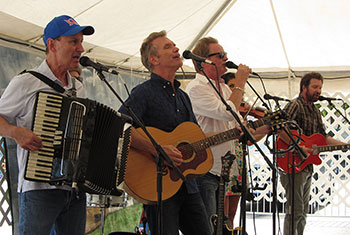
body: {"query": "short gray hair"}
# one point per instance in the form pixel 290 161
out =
pixel 147 49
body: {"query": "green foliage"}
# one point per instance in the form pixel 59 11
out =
pixel 123 220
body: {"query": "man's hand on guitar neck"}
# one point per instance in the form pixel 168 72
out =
pixel 285 138
pixel 263 130
pixel 260 131
pixel 305 149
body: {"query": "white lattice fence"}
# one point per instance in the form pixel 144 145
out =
pixel 334 171
pixel 5 212
pixel 330 185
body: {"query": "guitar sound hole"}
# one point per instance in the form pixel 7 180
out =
pixel 186 150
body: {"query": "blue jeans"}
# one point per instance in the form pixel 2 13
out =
pixel 208 186
pixel 41 209
pixel 183 211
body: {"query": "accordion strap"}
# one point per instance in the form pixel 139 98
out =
pixel 47 80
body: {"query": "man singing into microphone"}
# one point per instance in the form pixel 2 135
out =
pixel 42 205
pixel 308 117
pixel 211 113
pixel 159 102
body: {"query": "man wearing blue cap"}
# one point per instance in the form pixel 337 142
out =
pixel 42 205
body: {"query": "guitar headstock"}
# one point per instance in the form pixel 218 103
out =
pixel 275 120
pixel 227 161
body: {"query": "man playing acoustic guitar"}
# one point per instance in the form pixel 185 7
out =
pixel 160 103
pixel 308 117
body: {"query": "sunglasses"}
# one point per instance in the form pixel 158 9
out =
pixel 220 54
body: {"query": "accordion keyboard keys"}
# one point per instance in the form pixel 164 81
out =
pixel 45 125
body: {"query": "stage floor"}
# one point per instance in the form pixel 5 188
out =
pixel 319 225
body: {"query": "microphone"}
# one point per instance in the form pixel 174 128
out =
pixel 85 61
pixel 189 55
pixel 276 98
pixel 321 98
pixel 231 65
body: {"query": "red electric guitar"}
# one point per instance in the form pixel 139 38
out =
pixel 316 142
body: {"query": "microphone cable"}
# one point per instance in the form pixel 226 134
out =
pixel 264 88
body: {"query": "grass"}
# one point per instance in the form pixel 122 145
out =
pixel 123 220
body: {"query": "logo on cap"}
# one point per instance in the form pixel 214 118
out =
pixel 71 21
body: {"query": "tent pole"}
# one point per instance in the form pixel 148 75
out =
pixel 280 34
pixel 289 84
pixel 213 20
pixel 275 209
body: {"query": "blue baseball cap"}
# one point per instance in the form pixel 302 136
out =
pixel 64 26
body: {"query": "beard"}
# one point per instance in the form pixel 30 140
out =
pixel 312 97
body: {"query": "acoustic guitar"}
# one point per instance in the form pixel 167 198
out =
pixel 221 227
pixel 316 142
pixel 140 180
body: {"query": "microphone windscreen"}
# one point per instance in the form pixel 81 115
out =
pixel 231 65
pixel 267 97
pixel 187 54
pixel 84 60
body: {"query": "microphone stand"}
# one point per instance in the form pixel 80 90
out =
pixel 274 181
pixel 274 187
pixel 243 211
pixel 274 176
pixel 330 103
pixel 159 159
pixel 249 137
pixel 274 162
pixel 257 94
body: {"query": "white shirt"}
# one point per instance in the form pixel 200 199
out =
pixel 212 116
pixel 16 106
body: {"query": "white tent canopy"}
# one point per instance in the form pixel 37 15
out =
pixel 263 34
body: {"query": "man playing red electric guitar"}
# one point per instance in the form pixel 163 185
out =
pixel 308 117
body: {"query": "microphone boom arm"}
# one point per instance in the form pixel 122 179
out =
pixel 330 103
pixel 231 65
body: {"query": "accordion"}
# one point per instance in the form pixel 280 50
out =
pixel 85 144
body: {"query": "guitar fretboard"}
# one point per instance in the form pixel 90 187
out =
pixel 224 136
pixel 328 148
